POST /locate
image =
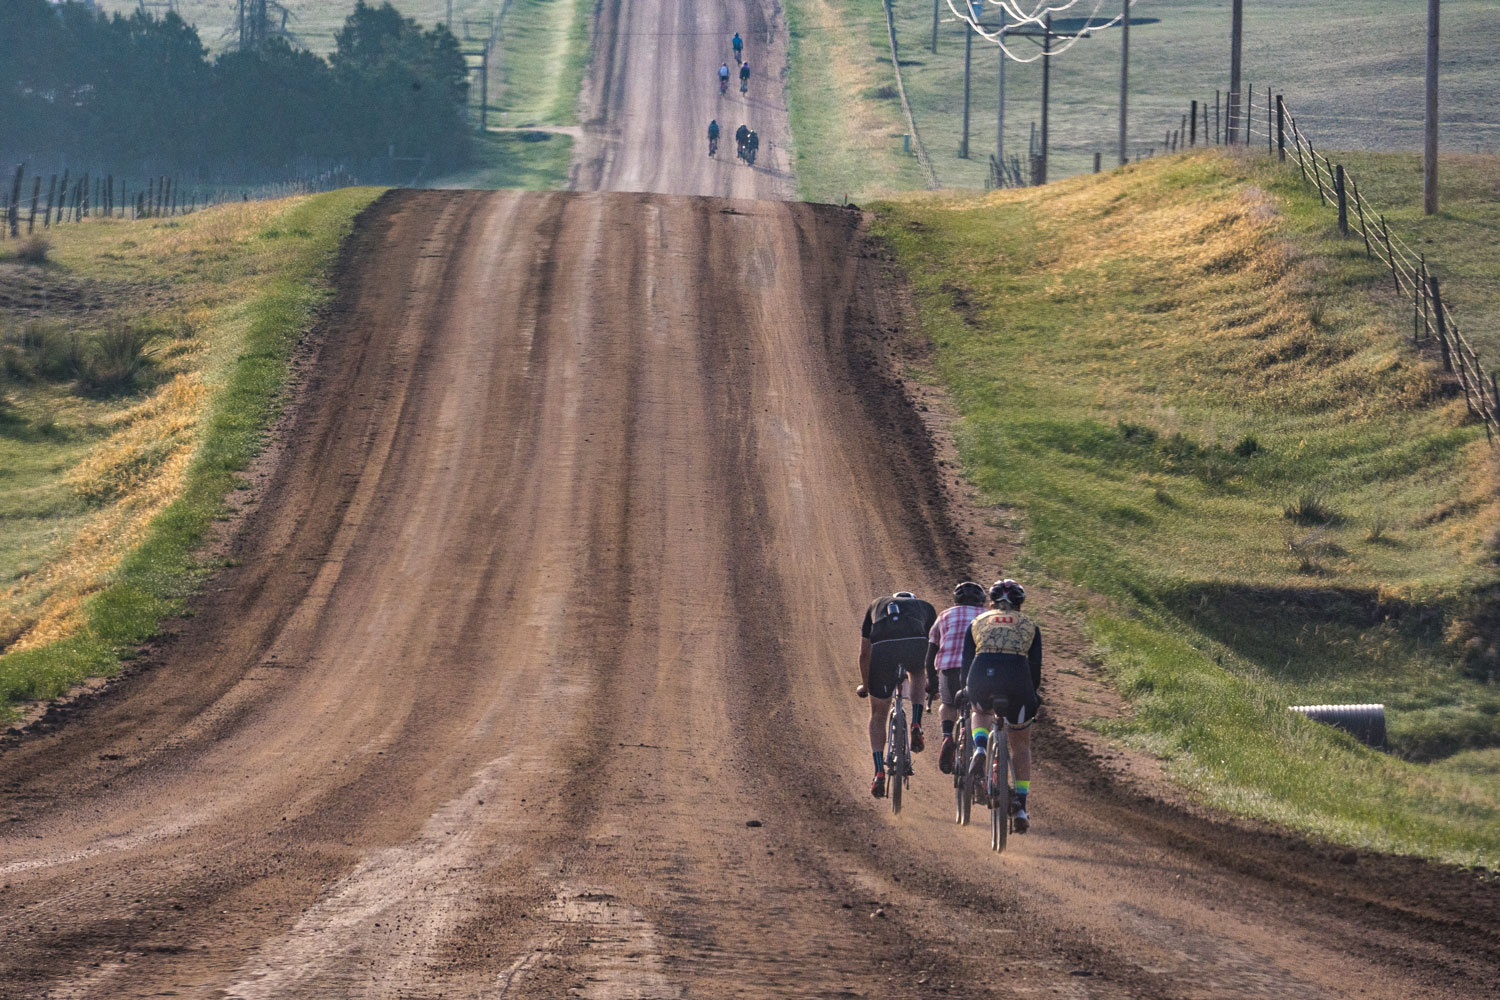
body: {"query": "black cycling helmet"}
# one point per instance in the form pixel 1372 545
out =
pixel 1009 591
pixel 968 592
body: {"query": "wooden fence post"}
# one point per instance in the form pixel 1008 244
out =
pixel 1338 187
pixel 36 196
pixel 62 198
pixel 1390 258
pixel 1097 158
pixel 1419 304
pixel 1216 118
pixel 1193 120
pixel 1437 312
pixel 1281 127
pixel 13 211
pixel 1359 207
pixel 51 197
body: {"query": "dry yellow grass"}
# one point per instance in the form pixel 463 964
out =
pixel 190 276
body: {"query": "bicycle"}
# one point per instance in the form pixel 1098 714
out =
pixel 963 783
pixel 999 795
pixel 713 146
pixel 897 749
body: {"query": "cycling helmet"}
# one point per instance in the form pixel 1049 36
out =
pixel 968 592
pixel 1009 591
pixel 904 593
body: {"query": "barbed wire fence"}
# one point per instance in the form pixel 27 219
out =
pixel 1433 322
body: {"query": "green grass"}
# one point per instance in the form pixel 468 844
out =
pixel 1462 241
pixel 846 119
pixel 1352 71
pixel 1182 379
pixel 282 264
pixel 543 52
pixel 534 161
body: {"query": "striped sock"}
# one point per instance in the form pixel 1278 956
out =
pixel 1022 787
pixel 981 739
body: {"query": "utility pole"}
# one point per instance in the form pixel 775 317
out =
pixel 934 25
pixel 963 142
pixel 1000 104
pixel 1236 34
pixel 1430 151
pixel 1046 89
pixel 1124 77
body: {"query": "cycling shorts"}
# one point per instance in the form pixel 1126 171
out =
pixel 888 657
pixel 950 682
pixel 1003 676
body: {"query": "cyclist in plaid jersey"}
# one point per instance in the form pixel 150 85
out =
pixel 945 660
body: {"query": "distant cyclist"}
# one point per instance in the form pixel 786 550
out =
pixel 724 79
pixel 741 134
pixel 945 660
pixel 713 137
pixel 752 146
pixel 739 46
pixel 893 635
pixel 1004 652
pixel 744 77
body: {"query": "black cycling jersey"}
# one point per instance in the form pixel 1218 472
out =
pixel 898 618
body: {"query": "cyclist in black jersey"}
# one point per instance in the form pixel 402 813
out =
pixel 893 635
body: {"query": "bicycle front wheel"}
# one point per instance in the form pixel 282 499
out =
pixel 999 789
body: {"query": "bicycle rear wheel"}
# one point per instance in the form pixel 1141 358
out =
pixel 999 789
pixel 896 758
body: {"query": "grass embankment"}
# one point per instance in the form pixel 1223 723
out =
pixel 845 113
pixel 1204 415
pixel 141 366
pixel 535 80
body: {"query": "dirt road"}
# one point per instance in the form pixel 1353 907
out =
pixel 533 677
pixel 653 88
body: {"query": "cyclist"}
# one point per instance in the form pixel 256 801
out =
pixel 1003 649
pixel 724 78
pixel 744 77
pixel 752 145
pixel 893 635
pixel 741 135
pixel 739 46
pixel 713 137
pixel 945 660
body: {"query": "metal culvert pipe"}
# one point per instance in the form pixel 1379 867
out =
pixel 1365 723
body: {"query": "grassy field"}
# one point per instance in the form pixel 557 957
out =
pixel 1204 411
pixel 141 363
pixel 1352 71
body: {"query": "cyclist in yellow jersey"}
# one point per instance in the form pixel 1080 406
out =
pixel 1003 656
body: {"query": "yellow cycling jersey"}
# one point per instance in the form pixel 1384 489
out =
pixel 1005 631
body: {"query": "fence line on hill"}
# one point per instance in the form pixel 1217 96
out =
pixel 89 196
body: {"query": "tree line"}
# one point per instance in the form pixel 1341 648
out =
pixel 82 86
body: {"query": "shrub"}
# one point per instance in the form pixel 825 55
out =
pixel 41 350
pixel 116 358
pixel 1248 446
pixel 34 250
pixel 1310 508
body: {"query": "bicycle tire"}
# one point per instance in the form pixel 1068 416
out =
pixel 963 785
pixel 896 756
pixel 999 797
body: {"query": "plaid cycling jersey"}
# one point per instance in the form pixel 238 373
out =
pixel 948 634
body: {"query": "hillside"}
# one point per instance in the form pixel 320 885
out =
pixel 1201 408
